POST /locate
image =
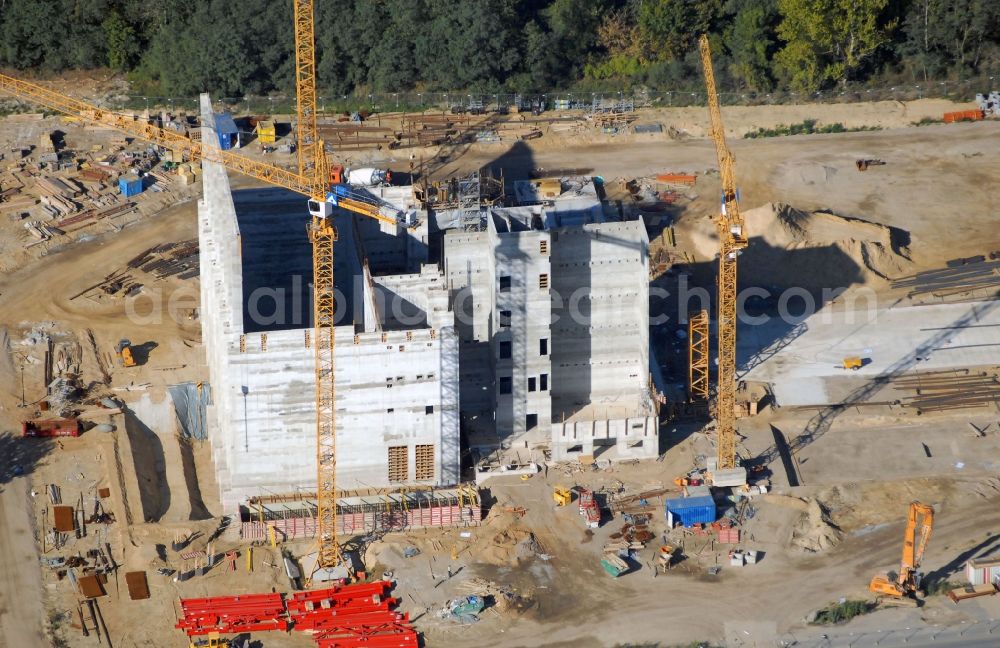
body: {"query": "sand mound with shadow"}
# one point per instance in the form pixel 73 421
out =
pixel 789 247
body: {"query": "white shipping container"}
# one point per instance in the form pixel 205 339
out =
pixel 982 571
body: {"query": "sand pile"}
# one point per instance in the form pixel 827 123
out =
pixel 814 531
pixel 814 250
pixel 509 546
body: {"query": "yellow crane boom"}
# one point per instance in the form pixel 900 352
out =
pixel 192 150
pixel 732 239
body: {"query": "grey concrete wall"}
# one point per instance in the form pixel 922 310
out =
pixel 601 336
pixel 262 425
pixel 594 316
pixel 600 355
pixel 523 317
pixel 470 274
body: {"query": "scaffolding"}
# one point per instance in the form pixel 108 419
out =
pixel 471 215
pixel 465 195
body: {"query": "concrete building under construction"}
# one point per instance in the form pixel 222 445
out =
pixel 520 322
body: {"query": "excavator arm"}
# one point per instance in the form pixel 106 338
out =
pixel 922 516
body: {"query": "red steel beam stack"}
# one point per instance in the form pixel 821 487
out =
pixel 382 635
pixel 352 616
pixel 311 610
pixel 343 616
pixel 233 614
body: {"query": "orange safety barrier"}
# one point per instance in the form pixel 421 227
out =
pixel 677 178
pixel 963 115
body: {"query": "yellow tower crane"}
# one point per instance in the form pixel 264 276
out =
pixel 732 239
pixel 312 180
pixel 322 234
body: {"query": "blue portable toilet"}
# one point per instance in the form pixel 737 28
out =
pixel 225 128
pixel 130 185
pixel 690 511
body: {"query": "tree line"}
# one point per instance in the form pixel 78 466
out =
pixel 232 48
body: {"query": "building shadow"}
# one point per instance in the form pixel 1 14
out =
pixel 150 467
pixel 20 456
pixel 772 308
pixel 277 259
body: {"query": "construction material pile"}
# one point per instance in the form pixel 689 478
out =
pixel 343 616
pixel 937 391
pixel 351 615
pixel 168 259
pixel 232 614
pixel 505 598
pixel 960 278
pixel 634 535
pixel 789 246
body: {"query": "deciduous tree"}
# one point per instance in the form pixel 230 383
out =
pixel 829 40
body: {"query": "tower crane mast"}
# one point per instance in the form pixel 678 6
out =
pixel 322 234
pixel 732 239
pixel 307 133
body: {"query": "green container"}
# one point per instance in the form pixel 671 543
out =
pixel 614 565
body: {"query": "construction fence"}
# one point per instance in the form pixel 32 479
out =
pixel 959 90
pixel 293 518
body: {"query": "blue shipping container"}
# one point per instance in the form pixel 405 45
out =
pixel 690 511
pixel 225 128
pixel 130 185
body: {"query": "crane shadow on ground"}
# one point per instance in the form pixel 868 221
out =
pixel 984 548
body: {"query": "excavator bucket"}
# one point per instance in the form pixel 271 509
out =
pixel 882 586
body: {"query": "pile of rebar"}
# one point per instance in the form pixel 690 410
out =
pixel 961 276
pixel 168 259
pixel 938 391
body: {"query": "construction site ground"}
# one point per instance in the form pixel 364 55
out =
pixel 821 540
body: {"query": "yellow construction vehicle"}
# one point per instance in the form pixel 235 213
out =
pixel 124 351
pixel 904 587
pixel 853 363
pixel 562 496
pixel 212 641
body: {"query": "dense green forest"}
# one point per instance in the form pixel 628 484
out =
pixel 232 48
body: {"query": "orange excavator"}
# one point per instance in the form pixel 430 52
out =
pixel 907 583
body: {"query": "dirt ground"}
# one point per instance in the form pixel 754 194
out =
pixel 561 596
pixel 935 187
pixel 936 184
